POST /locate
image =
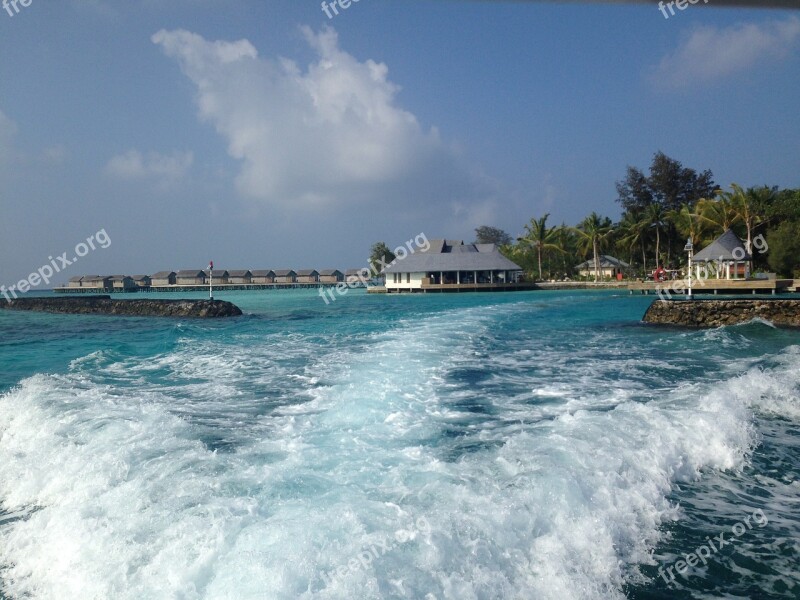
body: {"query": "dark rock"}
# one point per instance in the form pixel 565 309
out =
pixel 104 305
pixel 715 313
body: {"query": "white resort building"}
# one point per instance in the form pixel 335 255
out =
pixel 609 267
pixel 453 266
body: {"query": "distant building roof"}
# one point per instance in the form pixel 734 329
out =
pixel 76 279
pixel 262 272
pixel 357 272
pixel 190 273
pixel 307 272
pixel 329 272
pixel 239 273
pixel 722 249
pixel 606 262
pixel 140 277
pixel 284 272
pixel 453 255
pixel 162 274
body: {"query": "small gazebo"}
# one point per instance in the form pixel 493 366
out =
pixel 728 255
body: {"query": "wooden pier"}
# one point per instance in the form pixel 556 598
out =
pixel 677 287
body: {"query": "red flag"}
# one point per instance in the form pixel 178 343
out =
pixel 211 264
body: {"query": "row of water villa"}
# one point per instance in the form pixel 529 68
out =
pixel 198 279
pixel 442 266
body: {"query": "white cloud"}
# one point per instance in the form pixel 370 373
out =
pixel 134 165
pixel 711 53
pixel 329 134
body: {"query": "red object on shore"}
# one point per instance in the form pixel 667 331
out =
pixel 659 274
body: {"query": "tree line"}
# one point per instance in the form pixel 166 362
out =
pixel 661 210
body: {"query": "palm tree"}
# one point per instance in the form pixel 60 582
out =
pixel 719 213
pixel 593 233
pixel 564 242
pixel 750 207
pixel 687 223
pixel 632 230
pixel 540 237
pixel 656 218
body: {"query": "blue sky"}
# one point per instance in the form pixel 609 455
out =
pixel 264 135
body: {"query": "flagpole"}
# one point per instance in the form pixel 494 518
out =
pixel 211 280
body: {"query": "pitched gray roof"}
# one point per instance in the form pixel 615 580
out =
pixel 357 272
pixel 239 273
pixel 453 255
pixel 190 273
pixel 330 272
pixel 307 272
pixel 284 272
pixel 262 272
pixel 722 249
pixel 606 262
pixel 162 274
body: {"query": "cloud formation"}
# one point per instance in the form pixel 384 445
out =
pixel 327 135
pixel 711 53
pixel 134 165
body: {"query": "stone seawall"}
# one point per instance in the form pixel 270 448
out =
pixel 715 313
pixel 104 305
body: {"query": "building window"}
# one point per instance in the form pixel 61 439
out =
pixel 408 277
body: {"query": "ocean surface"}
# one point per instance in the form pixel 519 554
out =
pixel 541 445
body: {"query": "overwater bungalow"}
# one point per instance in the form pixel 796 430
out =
pixel 239 277
pixel 285 276
pixel 122 283
pixel 262 276
pixel 353 276
pixel 331 276
pixel 163 278
pixel 307 276
pixel 99 282
pixel 191 277
pixel 141 281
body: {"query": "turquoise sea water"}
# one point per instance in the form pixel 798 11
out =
pixel 522 445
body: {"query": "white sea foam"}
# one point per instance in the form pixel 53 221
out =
pixel 557 491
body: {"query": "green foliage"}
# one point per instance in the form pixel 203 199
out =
pixel 784 248
pixel 593 235
pixel 492 235
pixel 785 205
pixel 661 210
pixel 669 185
pixel 541 239
pixel 379 255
